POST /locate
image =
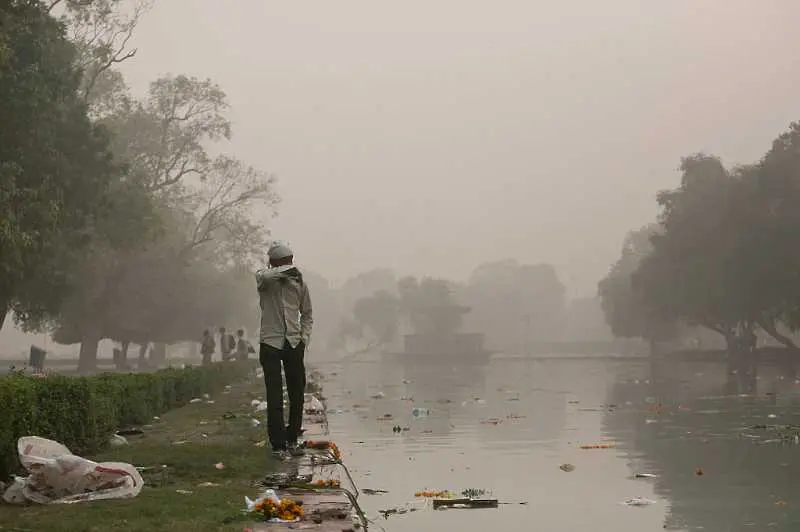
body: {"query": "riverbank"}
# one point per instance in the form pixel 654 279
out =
pixel 199 461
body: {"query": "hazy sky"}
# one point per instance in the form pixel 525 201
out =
pixel 431 136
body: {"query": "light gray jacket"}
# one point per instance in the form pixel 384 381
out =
pixel 285 307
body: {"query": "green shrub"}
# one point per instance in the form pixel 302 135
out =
pixel 83 412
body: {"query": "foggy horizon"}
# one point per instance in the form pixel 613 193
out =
pixel 430 140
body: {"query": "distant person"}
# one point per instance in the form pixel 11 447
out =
pixel 243 346
pixel 286 321
pixel 207 347
pixel 227 344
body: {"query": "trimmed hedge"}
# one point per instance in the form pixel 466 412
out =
pixel 83 412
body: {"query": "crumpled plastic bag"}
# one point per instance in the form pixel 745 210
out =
pixel 267 495
pixel 13 493
pixel 638 501
pixel 58 476
pixel 313 405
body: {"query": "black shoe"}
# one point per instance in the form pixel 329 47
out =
pixel 295 449
pixel 281 454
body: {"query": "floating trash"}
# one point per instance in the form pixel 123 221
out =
pixel 369 491
pixel 598 446
pixel 465 503
pixel 638 501
pixel 434 494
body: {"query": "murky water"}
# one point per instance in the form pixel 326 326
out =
pixel 507 426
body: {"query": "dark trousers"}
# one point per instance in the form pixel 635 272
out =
pixel 294 367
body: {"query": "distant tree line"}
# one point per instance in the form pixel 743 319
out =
pixel 723 254
pixel 513 304
pixel 116 220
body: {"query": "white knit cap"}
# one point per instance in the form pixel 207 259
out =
pixel 279 251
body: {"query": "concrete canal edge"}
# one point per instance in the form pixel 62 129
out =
pixel 326 508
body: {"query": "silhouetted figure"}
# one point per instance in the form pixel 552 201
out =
pixel 286 322
pixel 243 347
pixel 207 347
pixel 227 344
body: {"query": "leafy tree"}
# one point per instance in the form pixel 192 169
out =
pixel 377 315
pixel 425 306
pixel 774 235
pixel 715 264
pixel 429 306
pixel 683 277
pixel 56 170
pixel 205 205
pixel 625 310
pixel 365 284
pixel 515 303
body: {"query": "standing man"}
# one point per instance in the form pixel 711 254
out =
pixel 243 347
pixel 286 322
pixel 207 347
pixel 227 344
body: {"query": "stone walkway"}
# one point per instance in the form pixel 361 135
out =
pixel 332 509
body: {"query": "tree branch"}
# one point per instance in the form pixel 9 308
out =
pixel 53 4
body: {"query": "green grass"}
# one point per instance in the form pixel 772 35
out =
pixel 211 436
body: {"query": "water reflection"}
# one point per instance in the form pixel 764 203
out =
pixel 508 424
pixel 679 419
pixel 542 409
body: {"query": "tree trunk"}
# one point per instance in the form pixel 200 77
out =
pixel 732 343
pixel 125 345
pixel 4 307
pixel 771 329
pixel 87 360
pixel 142 363
pixel 654 350
pixel 160 354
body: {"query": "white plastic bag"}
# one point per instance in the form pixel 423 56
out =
pixel 58 476
pixel 314 406
pixel 13 493
pixel 267 495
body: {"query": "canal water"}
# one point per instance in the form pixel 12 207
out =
pixel 508 425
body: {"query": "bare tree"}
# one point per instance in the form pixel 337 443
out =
pixel 224 204
pixel 101 31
